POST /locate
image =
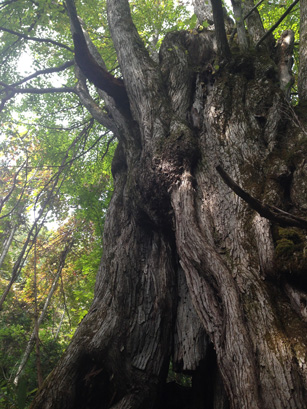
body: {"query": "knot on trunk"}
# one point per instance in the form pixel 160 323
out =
pixel 178 152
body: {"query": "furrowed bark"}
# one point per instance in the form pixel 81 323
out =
pixel 253 20
pixel 302 81
pixel 203 11
pixel 270 212
pixel 220 33
pixel 141 75
pixel 238 14
pixel 189 269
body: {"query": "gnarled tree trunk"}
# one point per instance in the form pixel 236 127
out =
pixel 190 271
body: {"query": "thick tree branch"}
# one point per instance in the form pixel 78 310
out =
pixel 94 109
pixel 253 9
pixel 277 23
pixel 253 21
pixel 94 72
pixel 238 14
pixel 7 244
pixel 203 11
pixel 39 40
pixel 269 212
pixel 42 90
pixel 141 75
pixel 220 32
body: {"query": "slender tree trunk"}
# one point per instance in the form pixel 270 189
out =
pixel 41 317
pixel 7 244
pixel 190 271
pixel 36 326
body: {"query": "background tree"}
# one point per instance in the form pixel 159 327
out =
pixel 204 243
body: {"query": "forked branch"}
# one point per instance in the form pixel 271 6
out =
pixel 269 212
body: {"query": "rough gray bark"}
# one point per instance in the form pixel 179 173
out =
pixel 302 88
pixel 203 11
pixel 253 21
pixel 239 18
pixel 190 271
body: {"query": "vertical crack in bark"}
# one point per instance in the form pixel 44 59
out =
pixel 216 299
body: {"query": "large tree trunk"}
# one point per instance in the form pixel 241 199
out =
pixel 190 272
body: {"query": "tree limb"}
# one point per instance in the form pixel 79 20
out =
pixel 269 212
pixel 40 90
pixel 220 32
pixel 39 40
pixel 94 72
pixel 277 23
pixel 137 67
pixel 238 14
pixel 93 108
pixel 253 20
pixel 253 9
pixel 51 70
pixel 7 244
pixel 11 92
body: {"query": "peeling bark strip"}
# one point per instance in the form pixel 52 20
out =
pixel 188 270
pixel 267 211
